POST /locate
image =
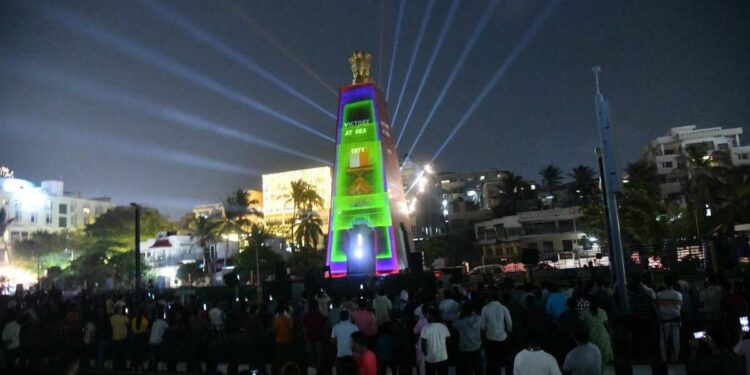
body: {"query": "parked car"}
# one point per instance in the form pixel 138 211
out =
pixel 490 273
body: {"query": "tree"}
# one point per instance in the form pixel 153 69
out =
pixel 238 209
pixel 4 223
pixel 267 258
pixel 117 226
pixel 309 229
pixel 551 178
pixel 206 230
pixel 44 249
pixel 513 191
pixel 583 186
pixel 305 199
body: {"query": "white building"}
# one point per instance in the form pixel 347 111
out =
pixel 278 210
pixel 166 253
pixel 46 208
pixel 552 232
pixel 667 151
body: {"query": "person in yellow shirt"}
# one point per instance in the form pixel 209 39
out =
pixel 139 329
pixel 119 324
pixel 283 332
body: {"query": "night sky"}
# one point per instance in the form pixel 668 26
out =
pixel 177 103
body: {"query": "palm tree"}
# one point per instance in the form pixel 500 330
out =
pixel 4 223
pixel 513 190
pixel 296 197
pixel 731 200
pixel 238 209
pixel 551 177
pixel 309 229
pixel 311 198
pixel 584 184
pixel 205 230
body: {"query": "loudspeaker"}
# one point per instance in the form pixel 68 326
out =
pixel 416 262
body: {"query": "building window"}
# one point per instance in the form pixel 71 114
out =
pixel 32 218
pixel 531 245
pixel 667 164
pixel 548 246
pixel 48 218
pixel 63 222
pixel 723 146
pixel 17 216
pixel 742 156
pixel 565 226
pixel 63 209
pixel 567 245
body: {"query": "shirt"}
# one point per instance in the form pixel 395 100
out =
pixel 469 333
pixel 119 327
pixel 584 359
pixel 382 306
pixel 313 321
pixel 216 316
pixel 12 335
pixel 366 362
pixel 139 325
pixel 435 334
pixel 323 304
pixel 342 332
pixel 157 332
pixel 557 303
pixel 449 309
pixel 670 304
pixel 535 363
pixel 365 321
pixel 282 328
pixel 496 321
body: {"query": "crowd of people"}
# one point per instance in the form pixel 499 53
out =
pixel 427 327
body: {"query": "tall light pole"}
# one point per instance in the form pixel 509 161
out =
pixel 137 251
pixel 613 186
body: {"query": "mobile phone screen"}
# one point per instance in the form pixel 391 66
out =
pixel 699 335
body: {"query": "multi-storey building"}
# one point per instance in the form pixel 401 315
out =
pixel 46 208
pixel 468 197
pixel 278 209
pixel 550 231
pixel 667 152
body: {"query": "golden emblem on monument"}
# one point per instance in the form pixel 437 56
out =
pixel 360 62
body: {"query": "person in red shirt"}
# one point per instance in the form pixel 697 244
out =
pixel 365 320
pixel 313 324
pixel 367 363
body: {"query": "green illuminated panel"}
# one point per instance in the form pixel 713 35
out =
pixel 360 193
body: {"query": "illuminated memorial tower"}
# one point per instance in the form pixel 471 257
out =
pixel 369 232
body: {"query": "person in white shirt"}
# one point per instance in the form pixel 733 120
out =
pixel 669 303
pixel 12 340
pixel 216 316
pixel 585 358
pixel 533 360
pixel 449 308
pixel 158 328
pixel 434 344
pixel 341 336
pixel 497 324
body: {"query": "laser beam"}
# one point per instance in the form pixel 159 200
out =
pixel 401 6
pixel 431 61
pixel 140 150
pixel 500 72
pixel 270 38
pixel 473 39
pixel 76 23
pixel 110 96
pixel 173 17
pixel 420 37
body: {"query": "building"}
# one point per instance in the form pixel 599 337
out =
pixel 667 152
pixel 46 207
pixel 423 197
pixel 468 197
pixel 167 252
pixel 278 209
pixel 215 210
pixel 552 232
